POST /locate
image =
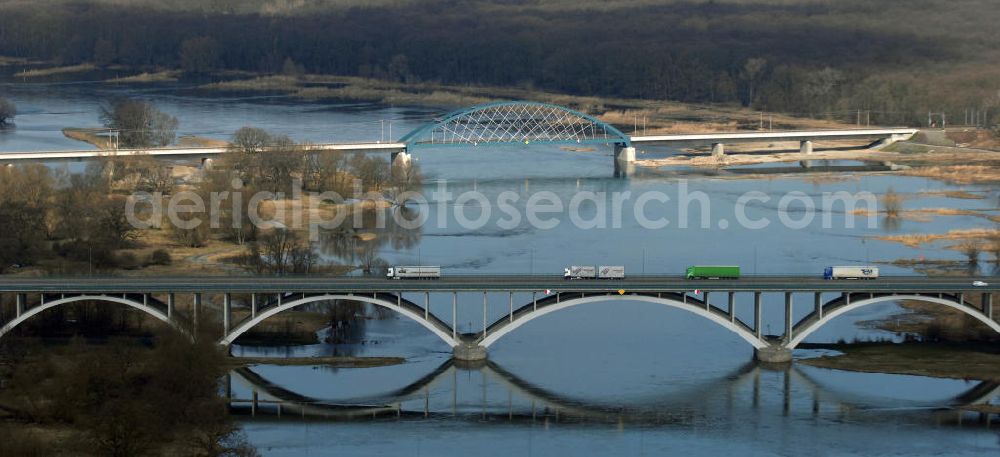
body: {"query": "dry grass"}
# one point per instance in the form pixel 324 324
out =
pixel 956 212
pixel 88 136
pixel 960 194
pixel 144 77
pixel 917 240
pixel 262 83
pixel 926 214
pixel 55 71
pixel 959 174
pixel 5 61
pixel 199 141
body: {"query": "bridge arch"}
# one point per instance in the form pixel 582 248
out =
pixel 150 310
pixel 809 328
pixel 515 122
pixel 442 331
pixel 699 309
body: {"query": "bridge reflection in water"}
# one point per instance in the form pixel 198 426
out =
pixel 486 391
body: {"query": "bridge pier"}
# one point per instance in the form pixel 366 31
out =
pixel 624 160
pixel 400 159
pixel 624 153
pixel 206 163
pixel 806 147
pixel 468 352
pixel 773 354
pixel 718 150
pixel 624 169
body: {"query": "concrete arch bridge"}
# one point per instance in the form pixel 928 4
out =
pixel 257 299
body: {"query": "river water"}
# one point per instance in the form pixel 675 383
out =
pixel 619 378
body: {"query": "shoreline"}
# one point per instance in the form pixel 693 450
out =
pixel 965 361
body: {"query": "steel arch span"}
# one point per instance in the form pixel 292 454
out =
pixel 400 306
pixel 515 122
pixel 152 311
pixel 527 313
pixel 810 324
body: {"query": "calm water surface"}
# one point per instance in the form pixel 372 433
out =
pixel 619 378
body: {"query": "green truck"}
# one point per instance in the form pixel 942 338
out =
pixel 712 272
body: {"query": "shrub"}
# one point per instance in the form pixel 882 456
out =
pixel 892 203
pixel 128 261
pixel 160 257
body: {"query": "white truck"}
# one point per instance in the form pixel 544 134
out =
pixel 611 272
pixel 413 272
pixel 580 272
pixel 858 272
pixel 590 272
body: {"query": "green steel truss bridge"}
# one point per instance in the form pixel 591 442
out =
pixel 505 123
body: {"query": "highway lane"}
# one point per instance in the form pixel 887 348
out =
pixel 480 283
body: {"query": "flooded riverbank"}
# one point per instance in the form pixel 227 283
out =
pixel 623 377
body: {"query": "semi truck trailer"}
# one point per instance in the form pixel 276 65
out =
pixel 713 272
pixel 590 272
pixel 858 272
pixel 413 272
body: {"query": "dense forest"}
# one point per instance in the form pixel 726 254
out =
pixel 896 58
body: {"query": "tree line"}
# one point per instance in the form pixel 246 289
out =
pixel 800 57
pixel 122 398
pixel 68 223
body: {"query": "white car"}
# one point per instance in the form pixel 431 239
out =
pixel 980 283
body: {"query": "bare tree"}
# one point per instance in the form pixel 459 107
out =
pixel 280 252
pixel 751 71
pixel 971 249
pixel 140 123
pixel 372 171
pixel 892 203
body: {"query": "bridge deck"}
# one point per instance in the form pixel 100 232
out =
pixel 792 135
pixel 11 156
pixel 480 283
pixel 180 152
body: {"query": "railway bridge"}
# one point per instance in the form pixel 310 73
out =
pixel 238 304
